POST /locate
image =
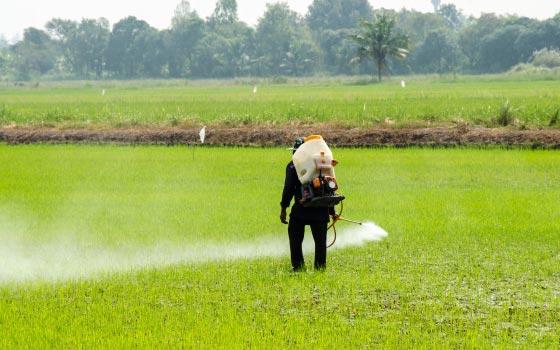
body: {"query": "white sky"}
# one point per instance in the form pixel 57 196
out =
pixel 15 15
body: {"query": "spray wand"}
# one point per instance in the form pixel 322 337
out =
pixel 340 218
pixel 351 221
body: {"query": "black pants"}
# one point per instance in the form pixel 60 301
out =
pixel 296 230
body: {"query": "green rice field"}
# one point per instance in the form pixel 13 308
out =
pixel 159 247
pixel 423 102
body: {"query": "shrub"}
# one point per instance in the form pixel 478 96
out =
pixel 505 117
pixel 554 118
pixel 549 58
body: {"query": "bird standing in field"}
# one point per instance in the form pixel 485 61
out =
pixel 202 134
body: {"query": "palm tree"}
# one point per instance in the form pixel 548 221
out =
pixel 379 41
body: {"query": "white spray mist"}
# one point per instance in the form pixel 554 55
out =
pixel 66 258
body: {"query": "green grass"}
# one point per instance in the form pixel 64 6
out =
pixel 471 260
pixel 422 102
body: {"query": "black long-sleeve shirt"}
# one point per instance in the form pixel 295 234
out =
pixel 292 189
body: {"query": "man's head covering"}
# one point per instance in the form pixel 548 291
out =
pixel 299 141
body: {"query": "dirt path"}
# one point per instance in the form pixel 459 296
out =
pixel 285 134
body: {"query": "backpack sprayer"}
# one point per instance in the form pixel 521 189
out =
pixel 314 164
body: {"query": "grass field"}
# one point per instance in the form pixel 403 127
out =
pixel 471 260
pixel 423 102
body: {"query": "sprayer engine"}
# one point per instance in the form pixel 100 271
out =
pixel 321 192
pixel 314 165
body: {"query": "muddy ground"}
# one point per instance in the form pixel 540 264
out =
pixel 285 134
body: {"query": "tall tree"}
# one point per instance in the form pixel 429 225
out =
pixel 418 25
pixel 83 44
pixel 453 16
pixel 439 53
pixel 94 38
pixel 379 41
pixel 182 12
pixel 331 23
pixel 538 35
pixel 337 14
pixel 187 29
pixel 226 48
pixel 223 56
pixel 34 55
pixel 498 52
pixel 284 43
pixel 225 12
pixel 65 33
pixel 124 55
pixel 470 39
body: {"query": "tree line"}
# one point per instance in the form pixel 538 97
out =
pixel 332 38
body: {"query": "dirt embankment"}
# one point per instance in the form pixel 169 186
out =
pixel 285 134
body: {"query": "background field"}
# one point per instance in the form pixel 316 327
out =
pixel 425 101
pixel 471 260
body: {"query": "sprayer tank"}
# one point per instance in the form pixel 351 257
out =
pixel 312 159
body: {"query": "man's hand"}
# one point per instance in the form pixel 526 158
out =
pixel 283 216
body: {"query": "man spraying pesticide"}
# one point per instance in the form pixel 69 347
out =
pixel 310 179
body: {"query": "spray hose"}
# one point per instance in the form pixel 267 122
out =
pixel 338 217
pixel 333 225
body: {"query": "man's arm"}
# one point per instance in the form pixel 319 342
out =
pixel 289 187
pixel 288 193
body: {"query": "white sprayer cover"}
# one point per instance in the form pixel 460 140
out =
pixel 312 158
